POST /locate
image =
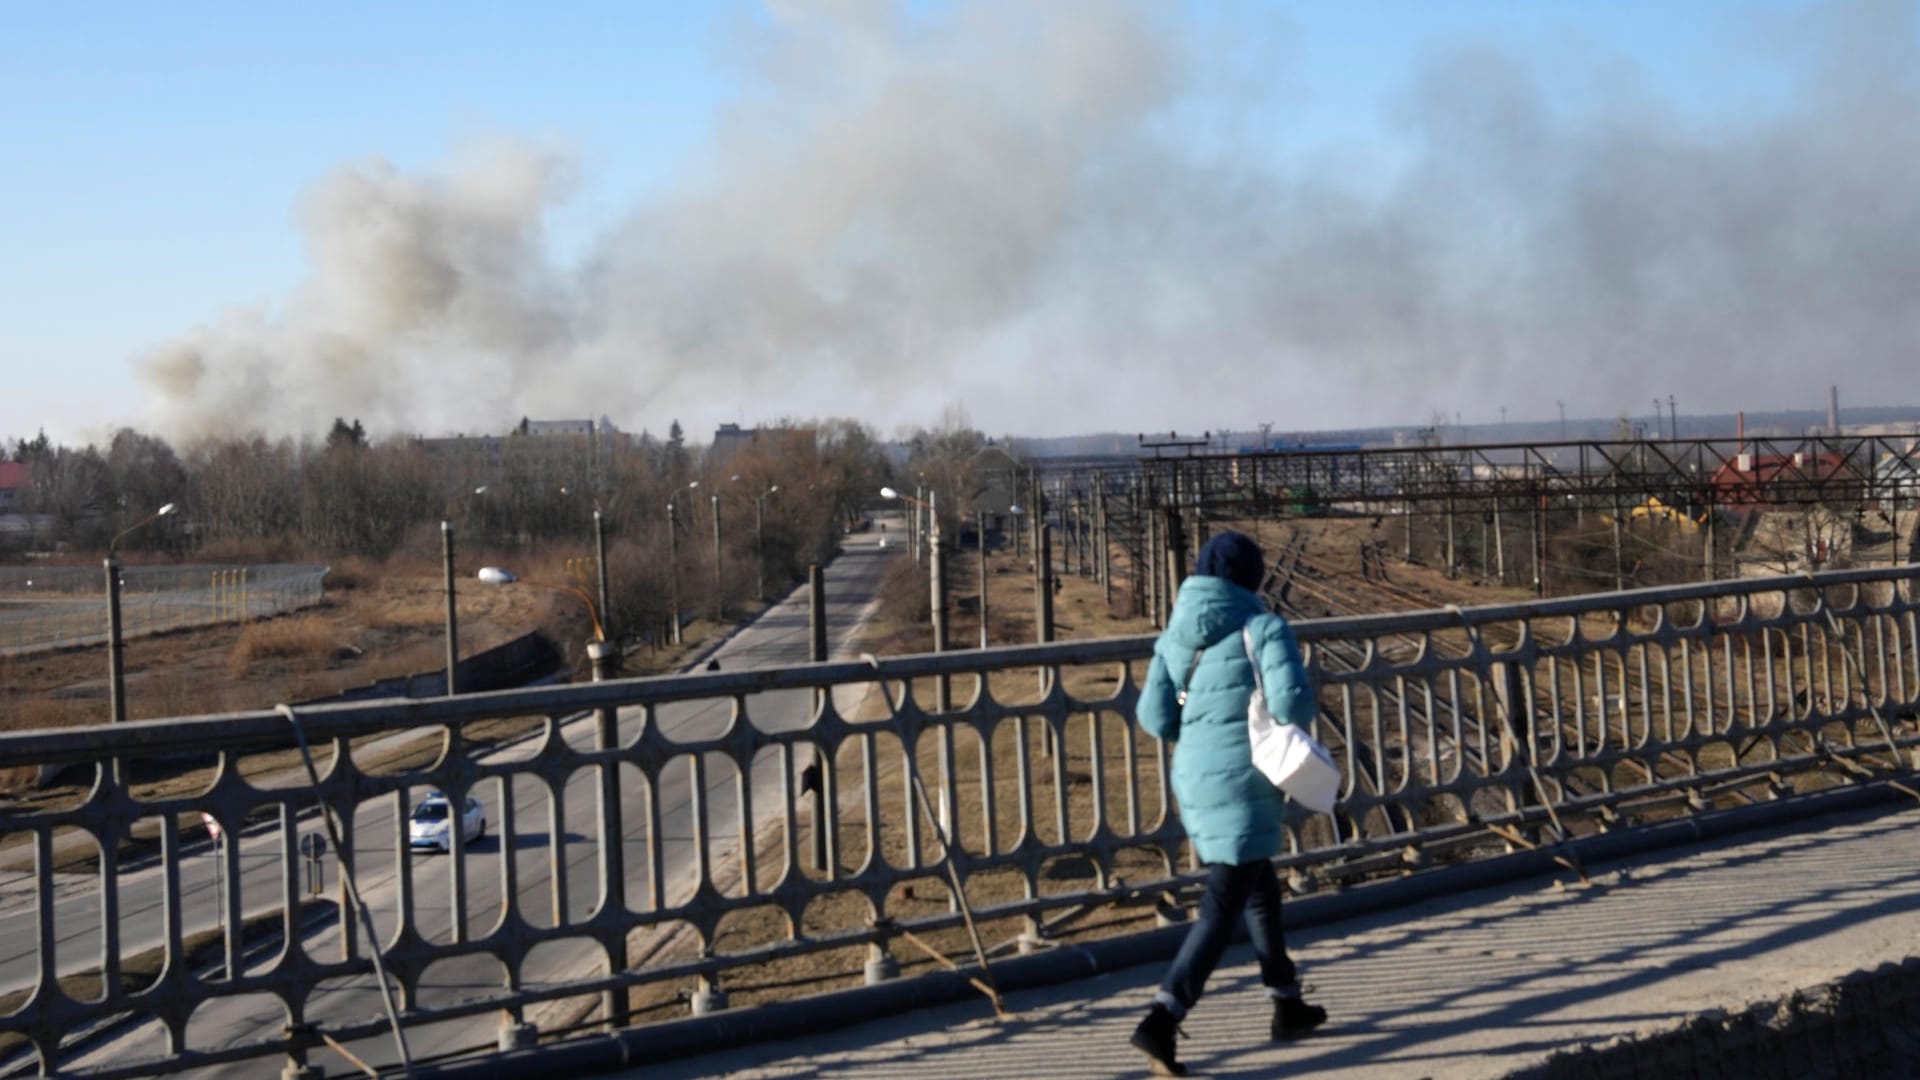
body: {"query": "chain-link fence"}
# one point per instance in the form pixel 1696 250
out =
pixel 45 607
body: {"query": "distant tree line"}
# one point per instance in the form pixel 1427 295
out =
pixel 784 497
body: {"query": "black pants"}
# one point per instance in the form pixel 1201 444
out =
pixel 1250 889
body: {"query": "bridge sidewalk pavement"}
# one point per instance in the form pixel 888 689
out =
pixel 1471 985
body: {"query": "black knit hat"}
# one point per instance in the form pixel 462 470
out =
pixel 1233 556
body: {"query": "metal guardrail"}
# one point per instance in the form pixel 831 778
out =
pixel 60 607
pixel 1460 732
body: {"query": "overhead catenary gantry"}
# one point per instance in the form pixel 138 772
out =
pixel 1156 506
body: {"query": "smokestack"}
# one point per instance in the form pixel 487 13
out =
pixel 1833 410
pixel 1740 432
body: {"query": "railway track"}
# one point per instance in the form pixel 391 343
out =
pixel 1441 733
pixel 1416 735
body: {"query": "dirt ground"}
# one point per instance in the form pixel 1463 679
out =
pixel 381 620
pixel 377 621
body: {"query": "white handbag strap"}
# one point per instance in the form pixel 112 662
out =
pixel 1246 638
pixel 1181 697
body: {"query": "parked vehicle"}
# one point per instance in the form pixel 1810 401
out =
pixel 430 825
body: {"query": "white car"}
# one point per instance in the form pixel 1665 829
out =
pixel 428 827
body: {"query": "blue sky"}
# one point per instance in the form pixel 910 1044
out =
pixel 156 152
pixel 157 156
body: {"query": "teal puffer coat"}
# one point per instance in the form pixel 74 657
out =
pixel 1231 812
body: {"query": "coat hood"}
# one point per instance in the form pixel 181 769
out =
pixel 1234 556
pixel 1207 609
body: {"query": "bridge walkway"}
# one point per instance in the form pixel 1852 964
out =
pixel 1478 984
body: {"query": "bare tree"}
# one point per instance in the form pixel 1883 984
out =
pixel 74 489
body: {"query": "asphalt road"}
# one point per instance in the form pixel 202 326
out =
pixel 777 638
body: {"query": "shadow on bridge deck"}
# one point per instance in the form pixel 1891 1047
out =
pixel 1477 984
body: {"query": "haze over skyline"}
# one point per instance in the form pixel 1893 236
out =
pixel 1065 218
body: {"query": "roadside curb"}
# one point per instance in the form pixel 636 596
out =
pixel 721 642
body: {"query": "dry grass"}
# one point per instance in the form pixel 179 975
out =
pixel 36 713
pixel 407 659
pixel 422 613
pixel 388 621
pixel 353 572
pixel 305 638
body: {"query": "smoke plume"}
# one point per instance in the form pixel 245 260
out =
pixel 1011 206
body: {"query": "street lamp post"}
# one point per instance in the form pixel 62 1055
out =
pixel 719 585
pixel 939 585
pixel 980 535
pixel 759 541
pixel 453 613
pixel 936 573
pixel 673 562
pixel 914 531
pixel 600 562
pixel 719 595
pixel 941 689
pixel 673 578
pixel 116 642
pixel 481 514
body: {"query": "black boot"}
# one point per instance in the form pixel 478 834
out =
pixel 1154 1038
pixel 1293 1017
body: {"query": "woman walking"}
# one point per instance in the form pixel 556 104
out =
pixel 1231 812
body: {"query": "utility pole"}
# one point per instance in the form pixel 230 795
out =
pixel 673 573
pixel 453 615
pixel 600 560
pixel 1100 526
pixel 937 587
pixel 1538 542
pixel 1150 552
pixel 605 658
pixel 1708 538
pixel 980 535
pixel 719 593
pixel 1499 544
pixel 816 614
pixel 1043 586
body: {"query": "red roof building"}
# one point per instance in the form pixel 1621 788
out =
pixel 15 478
pixel 1763 479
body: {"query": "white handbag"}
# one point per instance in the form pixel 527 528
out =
pixel 1286 753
